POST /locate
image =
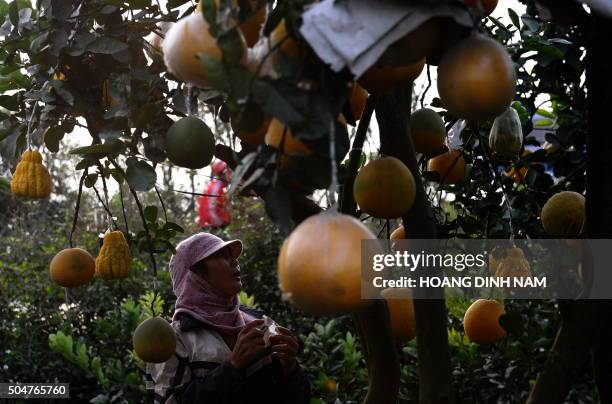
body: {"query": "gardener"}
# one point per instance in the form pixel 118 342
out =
pixel 223 353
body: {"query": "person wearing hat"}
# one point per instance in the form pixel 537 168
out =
pixel 225 352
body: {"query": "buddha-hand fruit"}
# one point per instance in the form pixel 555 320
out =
pixel 154 340
pixel 476 79
pixel 184 41
pixel 280 136
pixel 31 178
pixel 385 188
pixel 506 136
pixel 481 321
pixel 190 143
pixel 401 313
pixel 427 131
pixel 563 214
pixel 378 79
pixel 319 266
pixel 72 267
pixel 114 260
pixel 450 166
pixel 512 263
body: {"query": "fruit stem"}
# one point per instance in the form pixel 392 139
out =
pixel 78 205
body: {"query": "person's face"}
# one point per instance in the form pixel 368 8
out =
pixel 222 272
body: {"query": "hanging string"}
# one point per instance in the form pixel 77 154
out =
pixel 333 188
pixel 188 99
pixel 29 134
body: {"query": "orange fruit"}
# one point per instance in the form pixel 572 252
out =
pixel 427 131
pixel 385 188
pixel 289 45
pixel 72 267
pixel 401 313
pixel 251 27
pixel 563 214
pixel 415 45
pixel 319 266
pixel 182 44
pixel 398 234
pixel 481 321
pixel 154 340
pixel 290 144
pixel 485 6
pixel 357 98
pixel 378 79
pixel 476 79
pixel 450 166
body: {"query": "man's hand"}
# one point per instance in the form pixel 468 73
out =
pixel 249 345
pixel 285 347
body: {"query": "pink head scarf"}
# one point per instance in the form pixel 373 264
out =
pixel 197 297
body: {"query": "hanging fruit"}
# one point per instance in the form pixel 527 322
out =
pixel 114 260
pixel 506 136
pixel 319 266
pixel 154 340
pixel 31 178
pixel 385 188
pixel 72 267
pixel 511 264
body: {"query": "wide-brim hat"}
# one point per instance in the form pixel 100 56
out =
pixel 202 245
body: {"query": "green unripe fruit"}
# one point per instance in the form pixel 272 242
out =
pixel 190 143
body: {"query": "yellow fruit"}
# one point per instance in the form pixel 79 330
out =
pixel 331 386
pixel 385 188
pixel 31 178
pixel 184 41
pixel 319 266
pixel 401 313
pixel 485 6
pixel 279 136
pixel 379 79
pixel 72 267
pixel 251 27
pixel 427 131
pixel 154 340
pixel 476 79
pixel 190 143
pixel 114 260
pixel 563 214
pixel 450 166
pixel 514 265
pixel 357 98
pixel 481 321
pixel 398 234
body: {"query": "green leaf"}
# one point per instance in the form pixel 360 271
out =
pixel 52 137
pixel 98 151
pixel 10 102
pixel 174 226
pixel 106 46
pixel 14 13
pixel 4 183
pixel 232 46
pixel 514 18
pixel 90 180
pixel 150 213
pixel 215 72
pixel 140 175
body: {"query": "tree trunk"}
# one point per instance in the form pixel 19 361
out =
pixel 372 324
pixel 599 185
pixel 581 328
pixel 435 380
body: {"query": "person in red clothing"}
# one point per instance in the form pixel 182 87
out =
pixel 214 210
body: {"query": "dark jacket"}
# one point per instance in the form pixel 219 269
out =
pixel 200 372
